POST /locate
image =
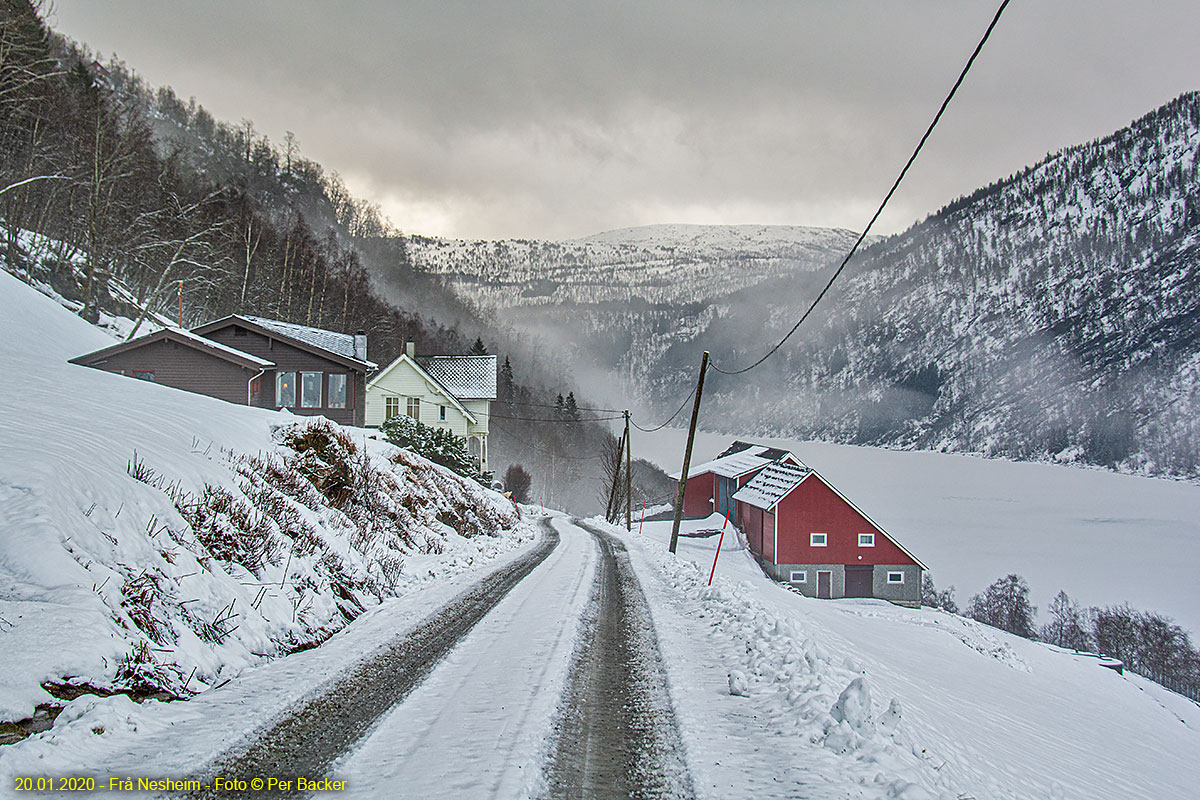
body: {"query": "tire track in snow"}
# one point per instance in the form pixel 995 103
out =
pixel 317 731
pixel 617 736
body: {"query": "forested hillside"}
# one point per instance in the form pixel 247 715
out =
pixel 1055 314
pixel 133 190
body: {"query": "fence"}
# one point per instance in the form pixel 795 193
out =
pixel 1188 687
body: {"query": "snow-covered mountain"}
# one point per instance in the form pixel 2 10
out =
pixel 675 264
pixel 1051 315
pixel 1055 314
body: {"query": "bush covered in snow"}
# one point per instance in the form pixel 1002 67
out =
pixel 437 444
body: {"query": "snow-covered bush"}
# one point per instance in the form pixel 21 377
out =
pixel 437 444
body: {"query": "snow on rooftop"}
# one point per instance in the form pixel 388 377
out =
pixel 340 343
pixel 465 377
pixel 737 463
pixel 771 485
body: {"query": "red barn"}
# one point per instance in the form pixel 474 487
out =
pixel 808 534
pixel 711 485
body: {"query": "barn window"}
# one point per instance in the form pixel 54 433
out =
pixel 310 389
pixel 285 389
pixel 818 539
pixel 337 390
pixel 895 577
pixel 391 407
pixel 414 408
pixel 866 540
pixel 799 576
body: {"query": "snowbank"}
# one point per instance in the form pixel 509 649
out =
pixel 780 694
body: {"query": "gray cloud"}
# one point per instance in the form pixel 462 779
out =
pixel 558 119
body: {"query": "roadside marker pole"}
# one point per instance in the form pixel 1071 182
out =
pixel 643 519
pixel 718 553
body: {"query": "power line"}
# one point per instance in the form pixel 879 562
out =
pixel 937 117
pixel 558 420
pixel 555 405
pixel 669 419
pixel 529 446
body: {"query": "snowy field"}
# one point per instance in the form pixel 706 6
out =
pixel 779 695
pixel 1104 538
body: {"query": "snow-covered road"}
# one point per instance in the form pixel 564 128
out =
pixel 480 725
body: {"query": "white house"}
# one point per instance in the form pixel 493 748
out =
pixel 451 392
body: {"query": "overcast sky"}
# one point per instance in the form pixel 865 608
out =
pixel 557 119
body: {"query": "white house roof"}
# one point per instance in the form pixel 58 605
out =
pixel 771 485
pixel 465 377
pixel 737 463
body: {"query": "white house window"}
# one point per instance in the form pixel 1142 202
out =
pixel 337 390
pixel 285 389
pixel 799 576
pixel 818 539
pixel 442 413
pixel 391 407
pixel 866 540
pixel 310 389
pixel 414 408
pixel 895 577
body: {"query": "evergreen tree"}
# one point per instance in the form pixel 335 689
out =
pixel 570 409
pixel 437 444
pixel 559 408
pixel 932 597
pixel 478 349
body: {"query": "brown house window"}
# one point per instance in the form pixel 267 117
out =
pixel 337 390
pixel 256 390
pixel 144 375
pixel 310 389
pixel 285 389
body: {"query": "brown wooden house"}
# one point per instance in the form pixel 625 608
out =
pixel 252 361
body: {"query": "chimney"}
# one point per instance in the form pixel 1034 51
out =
pixel 360 345
pixel 410 348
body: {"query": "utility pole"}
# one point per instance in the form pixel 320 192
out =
pixel 687 453
pixel 612 509
pixel 628 477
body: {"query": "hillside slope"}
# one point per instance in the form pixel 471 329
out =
pixel 153 540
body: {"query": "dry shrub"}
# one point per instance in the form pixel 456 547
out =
pixel 139 596
pixel 230 529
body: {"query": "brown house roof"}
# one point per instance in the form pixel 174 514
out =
pixel 338 347
pixel 185 338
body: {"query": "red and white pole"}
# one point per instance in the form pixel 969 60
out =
pixel 643 519
pixel 718 553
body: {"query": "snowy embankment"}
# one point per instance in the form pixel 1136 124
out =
pixel 155 539
pixel 779 695
pixel 1104 538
